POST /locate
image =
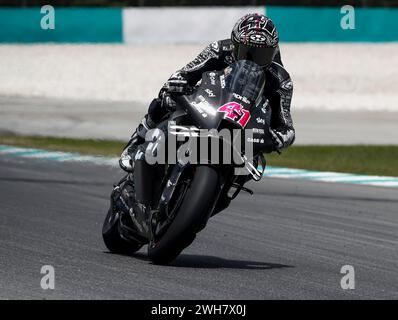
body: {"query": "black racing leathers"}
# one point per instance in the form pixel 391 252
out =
pixel 278 88
pixel 217 56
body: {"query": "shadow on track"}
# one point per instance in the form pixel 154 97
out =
pixel 211 262
pixel 199 261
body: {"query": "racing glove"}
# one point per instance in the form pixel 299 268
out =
pixel 276 139
pixel 177 83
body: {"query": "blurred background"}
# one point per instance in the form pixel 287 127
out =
pixel 89 68
pixel 117 3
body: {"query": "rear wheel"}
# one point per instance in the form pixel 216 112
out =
pixel 189 219
pixel 111 234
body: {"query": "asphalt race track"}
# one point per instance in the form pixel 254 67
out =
pixel 288 241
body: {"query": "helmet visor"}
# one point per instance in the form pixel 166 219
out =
pixel 262 56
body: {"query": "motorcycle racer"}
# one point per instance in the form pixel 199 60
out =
pixel 254 37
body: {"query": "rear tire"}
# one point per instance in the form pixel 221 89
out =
pixel 189 219
pixel 112 238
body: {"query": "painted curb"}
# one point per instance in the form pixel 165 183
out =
pixel 271 172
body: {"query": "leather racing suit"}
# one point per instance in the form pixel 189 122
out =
pixel 278 88
pixel 217 56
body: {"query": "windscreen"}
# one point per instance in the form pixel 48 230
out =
pixel 245 78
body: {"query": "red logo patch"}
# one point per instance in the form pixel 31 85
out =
pixel 235 112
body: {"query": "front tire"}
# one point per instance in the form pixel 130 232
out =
pixel 189 218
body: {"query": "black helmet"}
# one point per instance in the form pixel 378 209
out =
pixel 255 38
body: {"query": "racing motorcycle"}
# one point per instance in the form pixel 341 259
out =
pixel 165 204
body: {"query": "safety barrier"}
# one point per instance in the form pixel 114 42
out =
pixel 192 24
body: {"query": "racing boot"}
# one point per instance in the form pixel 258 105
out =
pixel 126 161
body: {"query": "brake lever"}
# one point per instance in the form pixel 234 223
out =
pixel 169 99
pixel 168 102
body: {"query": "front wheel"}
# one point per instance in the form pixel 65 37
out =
pixel 194 209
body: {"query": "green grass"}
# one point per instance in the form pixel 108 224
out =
pixel 83 146
pixel 362 159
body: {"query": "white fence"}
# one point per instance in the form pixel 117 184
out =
pixel 181 24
